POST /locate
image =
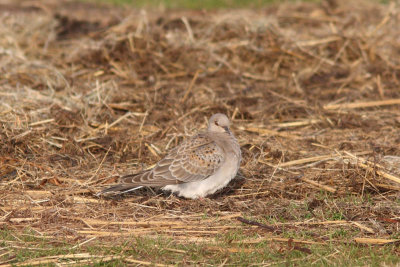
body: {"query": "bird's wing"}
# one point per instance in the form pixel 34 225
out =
pixel 193 160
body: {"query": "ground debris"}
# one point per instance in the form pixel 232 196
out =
pixel 312 91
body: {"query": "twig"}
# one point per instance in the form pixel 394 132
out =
pixel 279 239
pixel 363 104
pixel 267 227
pixel 367 165
pixel 98 168
pixel 363 227
pixel 40 122
pixel 131 260
pixel 188 28
pixel 264 132
pixel 306 160
pixel 375 241
pixel 196 75
pixel 84 242
pixel 298 123
pixel 324 187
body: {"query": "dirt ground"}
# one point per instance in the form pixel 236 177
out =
pixel 91 92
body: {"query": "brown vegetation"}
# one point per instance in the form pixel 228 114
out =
pixel 89 93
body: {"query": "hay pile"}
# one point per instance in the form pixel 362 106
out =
pixel 88 93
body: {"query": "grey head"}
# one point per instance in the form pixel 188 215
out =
pixel 218 123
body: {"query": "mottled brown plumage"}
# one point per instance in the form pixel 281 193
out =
pixel 198 167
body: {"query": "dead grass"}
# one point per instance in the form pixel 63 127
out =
pixel 88 93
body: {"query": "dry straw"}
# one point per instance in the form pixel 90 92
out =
pixel 88 93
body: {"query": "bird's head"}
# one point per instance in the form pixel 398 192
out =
pixel 219 123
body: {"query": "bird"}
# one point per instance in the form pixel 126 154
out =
pixel 196 168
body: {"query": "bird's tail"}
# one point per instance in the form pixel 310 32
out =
pixel 119 189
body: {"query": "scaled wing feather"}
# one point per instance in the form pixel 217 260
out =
pixel 194 160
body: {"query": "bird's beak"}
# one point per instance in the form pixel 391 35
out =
pixel 226 129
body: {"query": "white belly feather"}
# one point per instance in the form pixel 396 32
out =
pixel 209 185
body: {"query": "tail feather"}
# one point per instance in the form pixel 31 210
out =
pixel 119 189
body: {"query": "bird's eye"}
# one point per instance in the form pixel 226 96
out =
pixel 216 123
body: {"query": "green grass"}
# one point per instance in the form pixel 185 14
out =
pixel 229 248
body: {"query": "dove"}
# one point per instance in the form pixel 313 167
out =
pixel 196 168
